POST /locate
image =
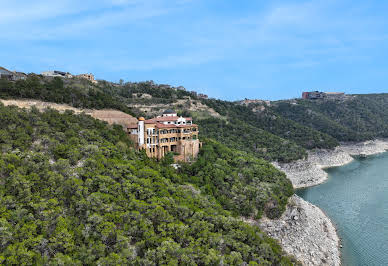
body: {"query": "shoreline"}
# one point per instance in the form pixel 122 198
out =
pixel 304 230
pixel 310 172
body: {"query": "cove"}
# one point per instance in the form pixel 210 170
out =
pixel 355 197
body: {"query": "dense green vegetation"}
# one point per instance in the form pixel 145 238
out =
pixel 269 140
pixel 242 136
pixel 282 131
pixel 240 182
pixel 271 122
pixel 360 117
pixel 266 134
pixel 74 192
pixel 78 93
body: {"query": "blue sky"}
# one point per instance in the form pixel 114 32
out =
pixel 227 49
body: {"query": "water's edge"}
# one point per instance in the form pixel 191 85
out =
pixel 304 230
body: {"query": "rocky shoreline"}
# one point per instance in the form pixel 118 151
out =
pixel 310 172
pixel 303 230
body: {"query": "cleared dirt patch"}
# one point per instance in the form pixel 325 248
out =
pixel 107 115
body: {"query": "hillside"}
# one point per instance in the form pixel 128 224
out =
pixel 234 125
pixel 107 115
pixel 74 192
pixel 358 118
pixel 275 131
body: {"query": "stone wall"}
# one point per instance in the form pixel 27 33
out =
pixel 188 150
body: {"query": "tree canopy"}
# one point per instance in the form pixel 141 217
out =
pixel 74 192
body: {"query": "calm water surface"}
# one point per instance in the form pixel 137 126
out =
pixel 355 197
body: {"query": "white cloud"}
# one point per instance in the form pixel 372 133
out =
pixel 61 20
pixel 305 33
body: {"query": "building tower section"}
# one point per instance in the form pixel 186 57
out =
pixel 167 133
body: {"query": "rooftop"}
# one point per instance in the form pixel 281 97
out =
pixel 159 125
pixel 169 111
pixel 164 119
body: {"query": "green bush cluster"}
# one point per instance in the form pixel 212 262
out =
pixel 357 118
pixel 266 135
pixel 77 93
pixel 74 192
pixel 240 182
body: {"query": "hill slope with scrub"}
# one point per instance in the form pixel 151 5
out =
pixel 275 131
pixel 73 191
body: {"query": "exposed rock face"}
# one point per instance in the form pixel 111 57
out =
pixel 305 173
pixel 305 232
pixel 188 104
pixel 366 148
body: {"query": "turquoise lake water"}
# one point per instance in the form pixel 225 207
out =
pixel 355 197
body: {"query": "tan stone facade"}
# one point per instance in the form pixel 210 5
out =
pixel 89 77
pixel 167 133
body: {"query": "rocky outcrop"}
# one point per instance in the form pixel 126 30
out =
pixel 187 104
pixel 305 232
pixel 309 172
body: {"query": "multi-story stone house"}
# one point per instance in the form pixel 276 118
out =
pixel 167 133
pixel 11 75
pixel 88 76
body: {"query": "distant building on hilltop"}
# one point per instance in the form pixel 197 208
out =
pixel 88 76
pixel 313 95
pixel 57 73
pixel 202 96
pixel 11 75
pixel 167 133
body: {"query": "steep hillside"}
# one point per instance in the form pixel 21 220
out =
pixel 236 126
pixel 74 192
pixel 276 131
pixel 128 98
pixel 357 118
